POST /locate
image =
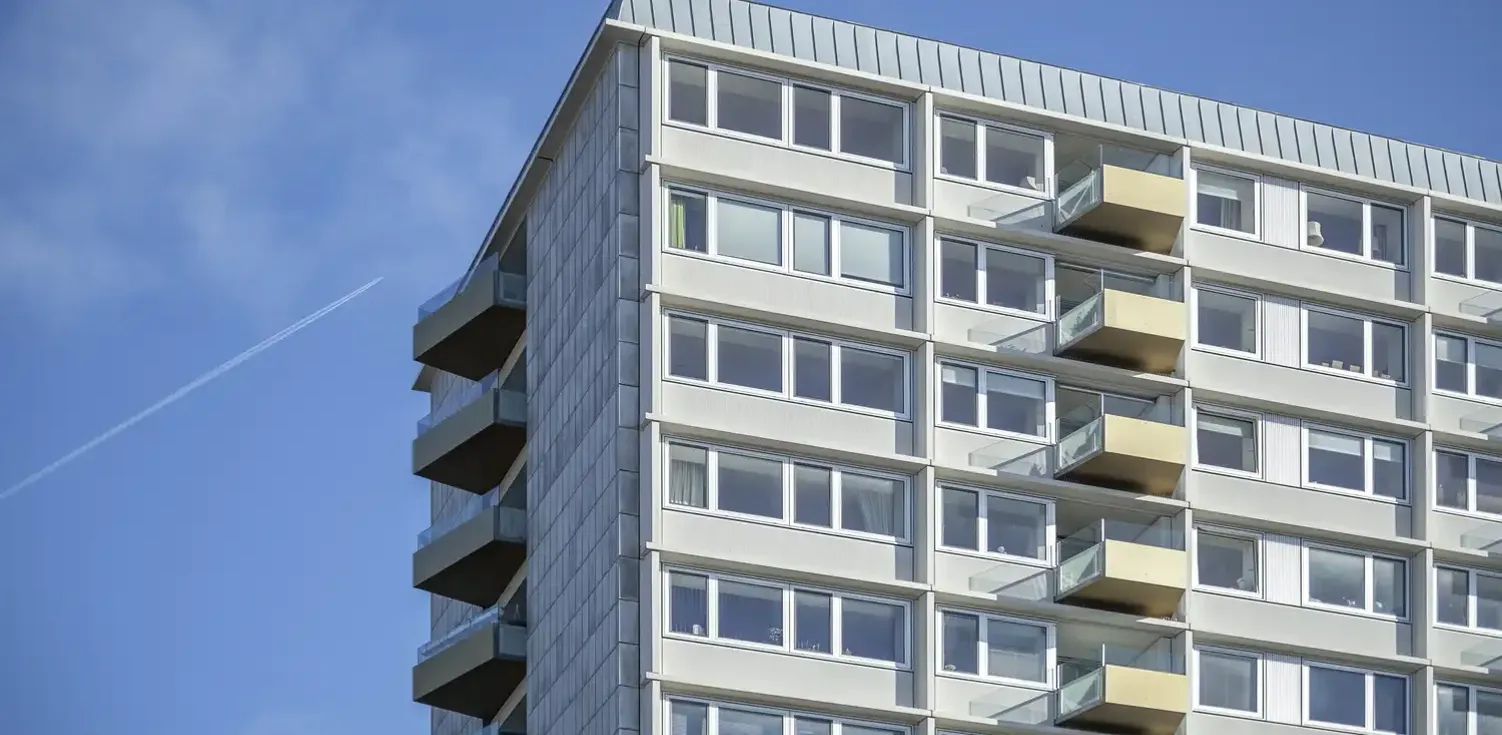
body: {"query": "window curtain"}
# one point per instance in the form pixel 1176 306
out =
pixel 688 477
pixel 677 223
pixel 689 602
pixel 871 504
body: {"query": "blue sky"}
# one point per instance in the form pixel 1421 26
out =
pixel 181 179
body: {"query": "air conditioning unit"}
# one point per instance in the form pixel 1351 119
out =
pixel 1313 232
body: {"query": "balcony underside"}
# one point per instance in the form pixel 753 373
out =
pixel 1135 578
pixel 472 334
pixel 1139 210
pixel 475 676
pixel 473 562
pixel 1136 701
pixel 1127 348
pixel 471 449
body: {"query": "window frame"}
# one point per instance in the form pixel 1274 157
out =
pixel 788 463
pixel 788 715
pixel 1470 365
pixel 1050 263
pixel 787 337
pixel 1367 321
pixel 1369 676
pixel 1433 481
pixel 979 125
pixel 1470 226
pixel 1367 556
pixel 1051 660
pixel 1471 573
pixel 1368 458
pixel 1255 179
pixel 1261 677
pixel 1366 227
pixel 1194 321
pixel 1234 414
pixel 981 373
pixel 788 590
pixel 1259 546
pixel 788 85
pixel 1471 691
pixel 982 524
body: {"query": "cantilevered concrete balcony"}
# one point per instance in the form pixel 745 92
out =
pixel 1124 197
pixel 1124 329
pixel 1124 566
pixel 1124 691
pixel 473 438
pixel 472 555
pixel 470 327
pixel 473 669
pixel 1124 452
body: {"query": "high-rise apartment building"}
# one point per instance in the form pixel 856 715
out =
pixel 816 379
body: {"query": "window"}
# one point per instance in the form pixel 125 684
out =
pixel 787 490
pixel 1228 681
pixel 1354 344
pixel 996 647
pixel 1355 581
pixel 693 717
pixel 861 377
pixel 818 118
pixel 995 154
pixel 1226 201
pixel 1469 482
pixel 1356 227
pixel 1468 250
pixel 1228 561
pixel 1467 366
pixel 1468 599
pixel 1006 278
pixel 1345 461
pixel 994 400
pixel 786 238
pixel 1352 698
pixel 996 523
pixel 1467 710
pixel 1226 321
pixel 1226 441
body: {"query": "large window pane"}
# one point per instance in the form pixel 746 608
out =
pixel 1227 202
pixel 1488 713
pixel 751 485
pixel 688 355
pixel 1016 404
pixel 1016 527
pixel 1487 254
pixel 688 603
pixel 687 93
pixel 811 118
pixel 1450 363
pixel 872 254
pixel 1449 248
pixel 1337 578
pixel 746 722
pixel 1016 651
pixel 688 222
pixel 871 129
pixel 1337 460
pixel 810 243
pixel 1014 159
pixel 1387 234
pixel 1389 704
pixel 1223 441
pixel 1388 359
pixel 1452 589
pixel 872 504
pixel 1389 587
pixel 957 152
pixel 1452 479
pixel 872 630
pixel 1337 697
pixel 812 503
pixel 961 643
pixel 1453 710
pixel 1228 322
pixel 961 519
pixel 688 718
pixel 1229 562
pixel 1016 281
pixel 957 271
pixel 749 232
pixel 750 612
pixel 688 476
pixel 750 105
pixel 813 726
pixel 749 358
pixel 1488 485
pixel 1338 221
pixel 1228 682
pixel 1389 469
pixel 1488 601
pixel 958 397
pixel 871 379
pixel 1488 370
pixel 813 622
pixel 812 373
pixel 1337 342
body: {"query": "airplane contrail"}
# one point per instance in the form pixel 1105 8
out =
pixel 178 394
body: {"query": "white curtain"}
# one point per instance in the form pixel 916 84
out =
pixel 871 504
pixel 688 476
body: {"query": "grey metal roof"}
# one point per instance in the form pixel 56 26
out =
pixel 947 66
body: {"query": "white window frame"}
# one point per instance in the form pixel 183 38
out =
pixel 1050 671
pixel 982 249
pixel 982 371
pixel 1471 690
pixel 982 524
pixel 980 125
pixel 1366 344
pixel 788 462
pixel 1471 574
pixel 1366 227
pixel 1470 366
pixel 1261 674
pixel 1433 482
pixel 786 215
pixel 1366 611
pixel 712 112
pixel 1237 415
pixel 1256 233
pixel 1259 546
pixel 1371 709
pixel 789 645
pixel 1470 251
pixel 1194 321
pixel 789 716
pixel 1368 457
pixel 787 336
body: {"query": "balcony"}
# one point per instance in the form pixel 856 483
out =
pixel 1135 452
pixel 471 327
pixel 1122 196
pixel 473 669
pixel 1123 690
pixel 1124 566
pixel 472 439
pixel 1123 329
pixel 472 555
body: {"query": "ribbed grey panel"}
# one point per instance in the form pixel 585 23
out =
pixel 873 51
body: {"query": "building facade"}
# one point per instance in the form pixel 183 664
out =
pixel 815 379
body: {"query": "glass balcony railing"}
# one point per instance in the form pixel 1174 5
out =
pixel 1080 442
pixel 1087 317
pixel 1082 553
pixel 513 403
pixel 1082 680
pixel 470 507
pixel 511 286
pixel 1081 185
pixel 490 616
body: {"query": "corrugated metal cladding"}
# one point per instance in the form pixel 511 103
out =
pixel 799 35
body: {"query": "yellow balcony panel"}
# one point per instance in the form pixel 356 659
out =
pixel 1125 329
pixel 1125 453
pixel 474 558
pixel 1125 576
pixel 473 447
pixel 471 327
pixel 1125 206
pixel 473 670
pixel 1123 699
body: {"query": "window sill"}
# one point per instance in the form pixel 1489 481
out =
pixel 1353 375
pixel 1228 472
pixel 1254 237
pixel 769 395
pixel 782 270
pixel 1040 196
pixel 1026 561
pixel 1255 596
pixel 1465 513
pixel 787 525
pixel 1341 728
pixel 1468 281
pixel 1041 319
pixel 1483 400
pixel 760 648
pixel 1041 441
pixel 1227 352
pixel 1339 255
pixel 1356 494
pixel 1353 612
pixel 1038 686
pixel 786 144
pixel 1453 628
pixel 1208 710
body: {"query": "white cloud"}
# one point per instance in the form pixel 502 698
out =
pixel 252 151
